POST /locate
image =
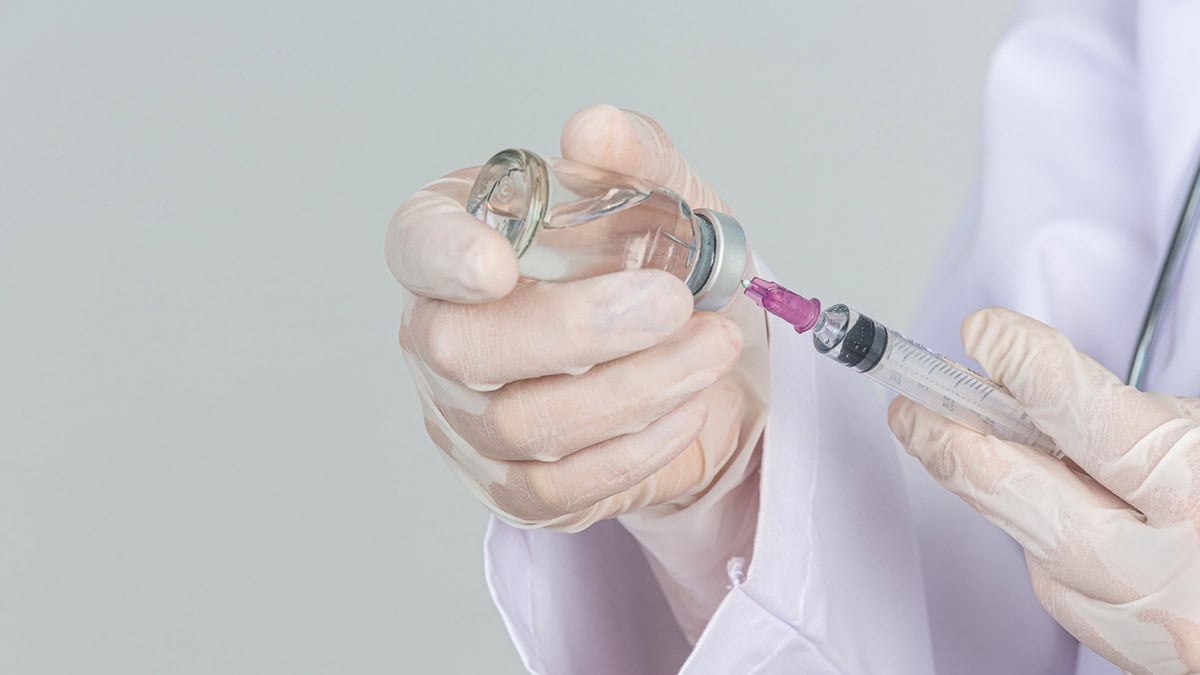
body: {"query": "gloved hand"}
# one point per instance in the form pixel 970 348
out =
pixel 562 404
pixel 1113 553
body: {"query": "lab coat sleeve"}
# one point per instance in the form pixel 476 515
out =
pixel 833 585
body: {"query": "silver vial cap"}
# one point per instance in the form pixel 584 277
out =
pixel 730 260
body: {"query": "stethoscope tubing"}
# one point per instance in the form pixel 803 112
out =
pixel 1168 280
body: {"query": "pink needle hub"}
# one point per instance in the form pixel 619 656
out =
pixel 795 309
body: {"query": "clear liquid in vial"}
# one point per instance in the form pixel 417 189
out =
pixel 622 229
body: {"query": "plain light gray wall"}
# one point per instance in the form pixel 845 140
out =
pixel 211 459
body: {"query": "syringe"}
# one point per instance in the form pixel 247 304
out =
pixel 904 366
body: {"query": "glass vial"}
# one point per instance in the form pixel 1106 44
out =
pixel 568 221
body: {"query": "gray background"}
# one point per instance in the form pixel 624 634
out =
pixel 210 457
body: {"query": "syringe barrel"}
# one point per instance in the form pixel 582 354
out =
pixel 934 381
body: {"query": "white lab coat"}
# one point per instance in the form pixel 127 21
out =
pixel 861 563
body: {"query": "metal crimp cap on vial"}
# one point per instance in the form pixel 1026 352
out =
pixel 730 260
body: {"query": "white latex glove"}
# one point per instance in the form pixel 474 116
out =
pixel 1114 555
pixel 562 404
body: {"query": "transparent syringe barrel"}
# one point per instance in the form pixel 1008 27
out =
pixel 934 381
